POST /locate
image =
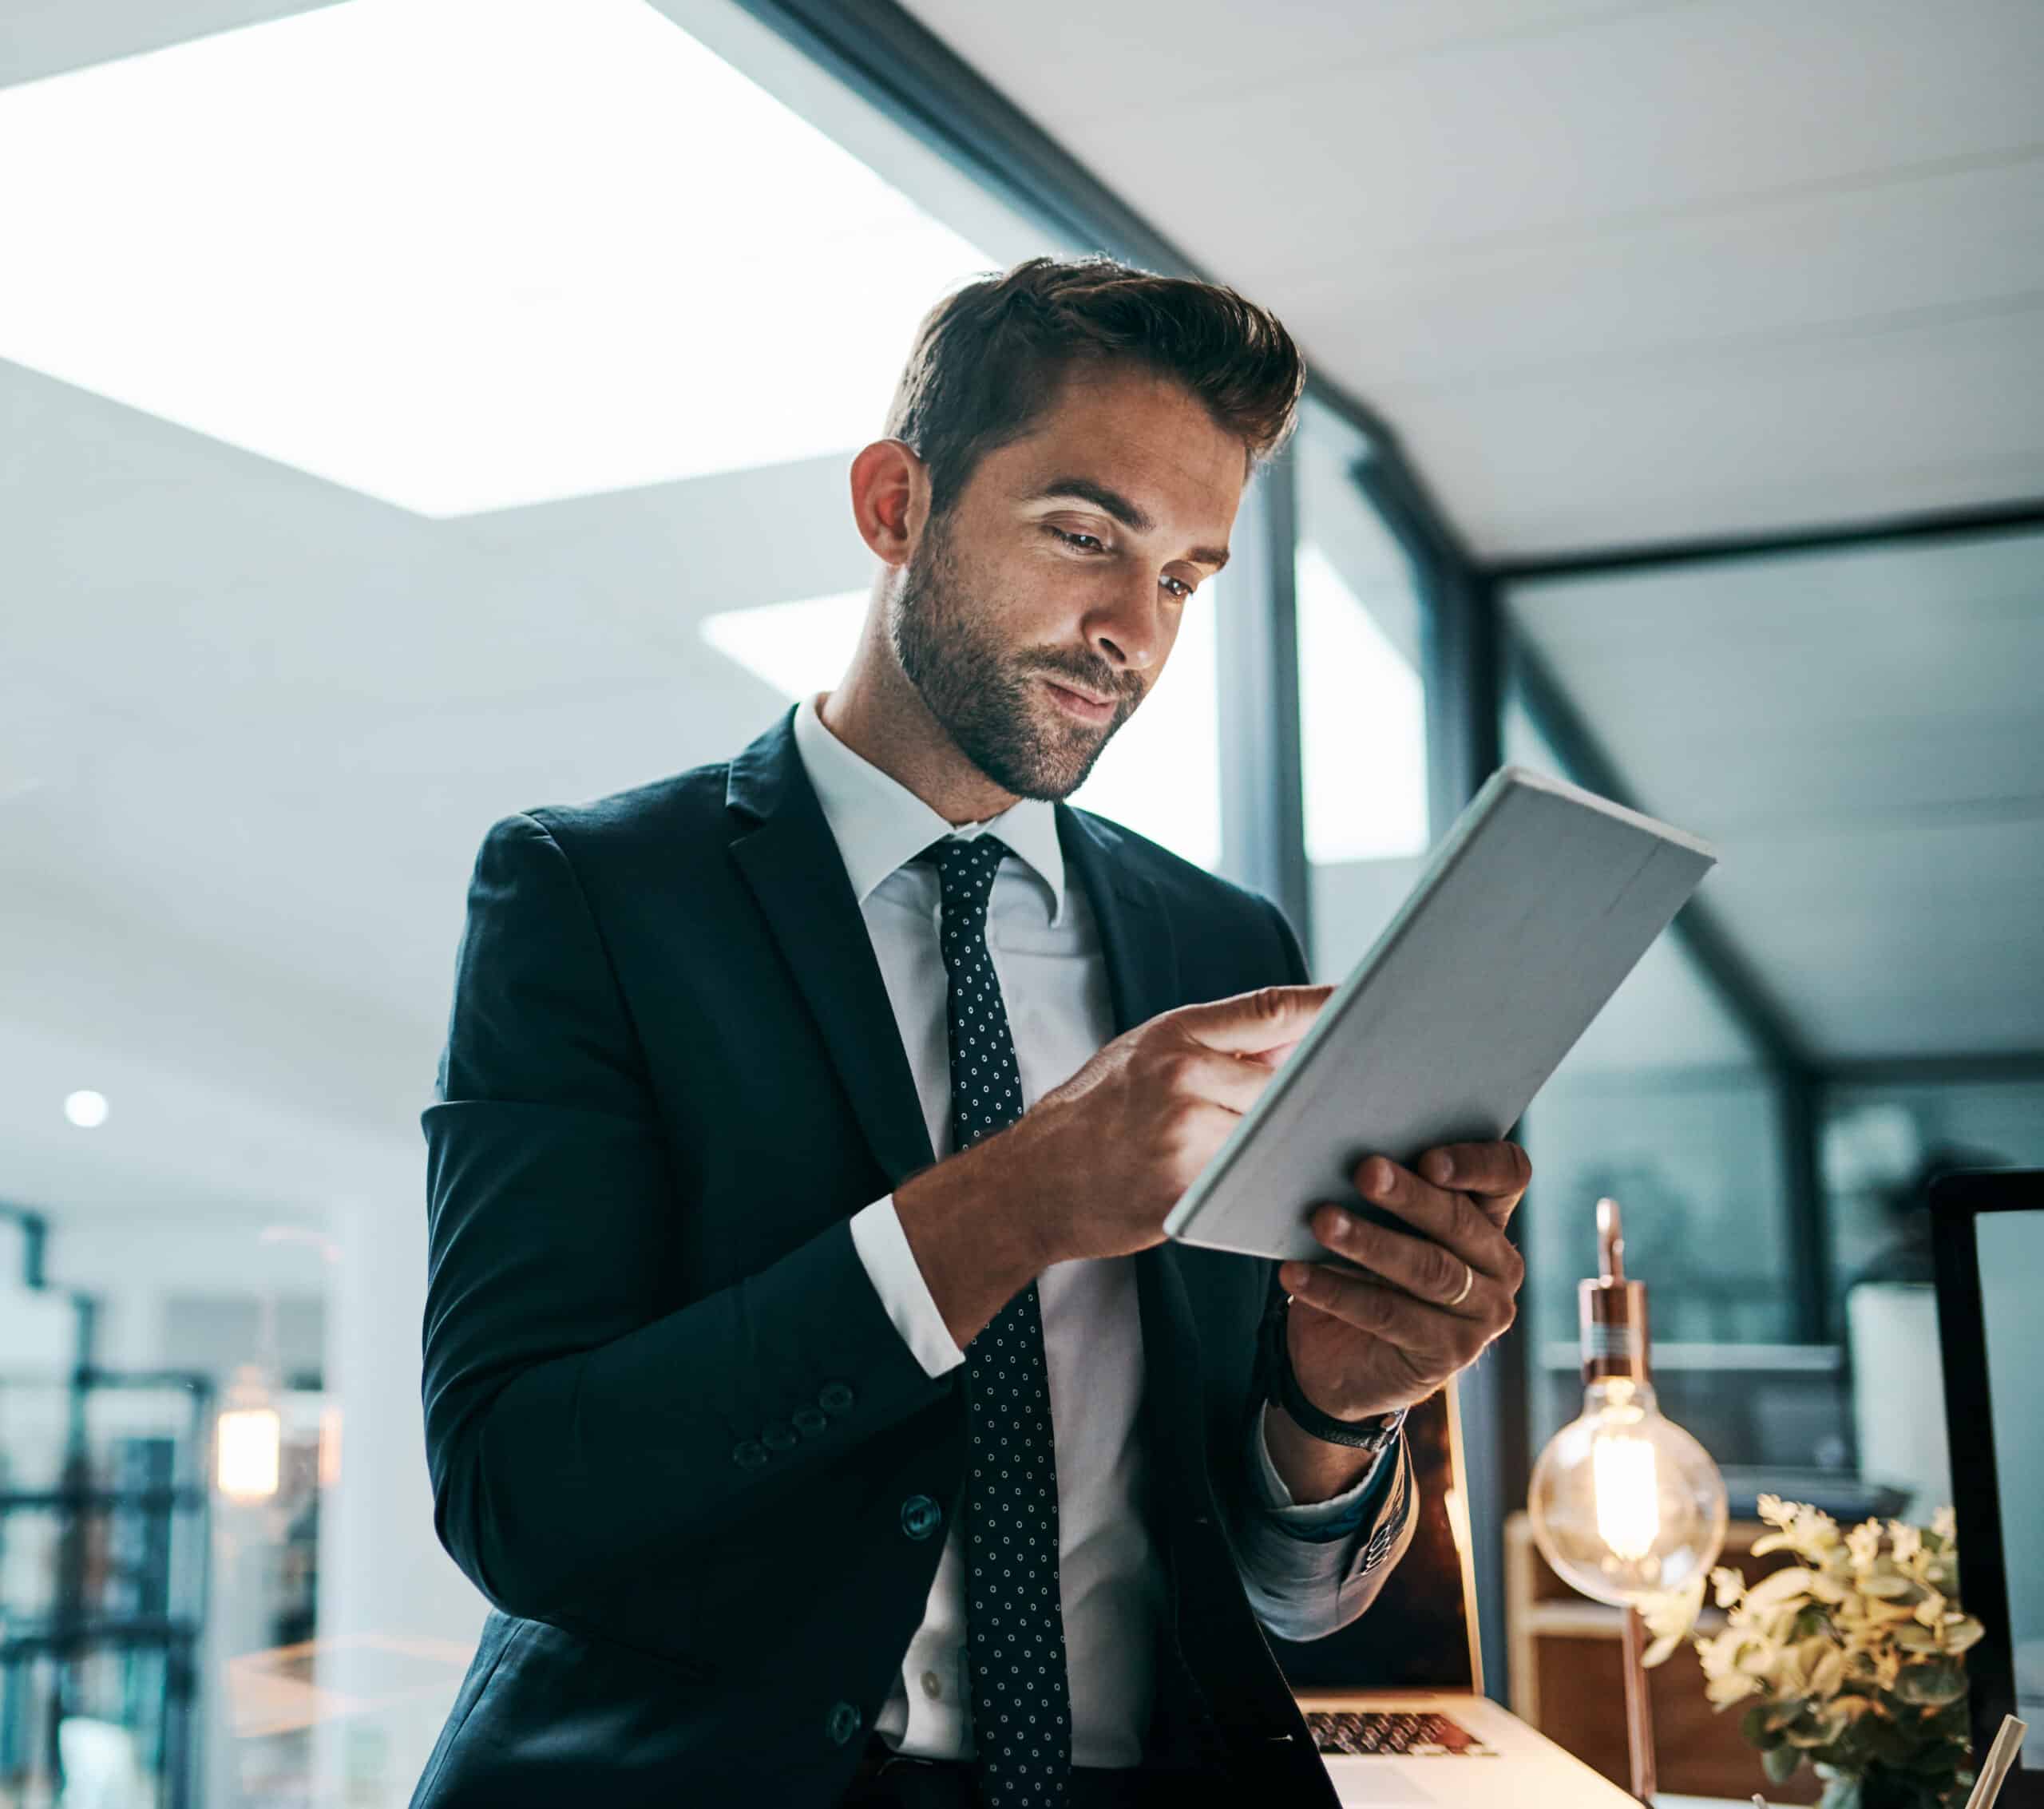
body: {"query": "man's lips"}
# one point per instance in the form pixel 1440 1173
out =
pixel 1079 703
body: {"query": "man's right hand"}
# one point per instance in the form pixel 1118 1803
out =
pixel 1094 1168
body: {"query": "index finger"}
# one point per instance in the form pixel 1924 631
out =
pixel 1272 1017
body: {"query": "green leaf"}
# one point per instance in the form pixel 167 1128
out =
pixel 1780 1763
pixel 1939 1757
pixel 1933 1684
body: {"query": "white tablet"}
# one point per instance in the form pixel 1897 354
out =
pixel 1533 908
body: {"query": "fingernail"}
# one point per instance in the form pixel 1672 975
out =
pixel 1442 1168
pixel 1292 1276
pixel 1380 1175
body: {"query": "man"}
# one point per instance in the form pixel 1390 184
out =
pixel 801 1467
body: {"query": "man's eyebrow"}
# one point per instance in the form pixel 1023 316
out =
pixel 1112 502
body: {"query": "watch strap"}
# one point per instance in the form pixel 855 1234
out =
pixel 1281 1387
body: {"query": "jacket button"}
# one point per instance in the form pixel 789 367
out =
pixel 779 1437
pixel 810 1419
pixel 844 1722
pixel 748 1455
pixel 920 1517
pixel 834 1397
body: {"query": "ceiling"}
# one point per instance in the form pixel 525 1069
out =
pixel 1615 273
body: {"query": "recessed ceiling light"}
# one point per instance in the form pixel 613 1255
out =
pixel 462 255
pixel 85 1109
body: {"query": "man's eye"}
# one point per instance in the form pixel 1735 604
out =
pixel 1074 539
pixel 1183 591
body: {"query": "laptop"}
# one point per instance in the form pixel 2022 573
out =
pixel 1395 1700
pixel 1987 1243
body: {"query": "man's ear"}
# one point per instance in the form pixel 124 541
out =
pixel 890 498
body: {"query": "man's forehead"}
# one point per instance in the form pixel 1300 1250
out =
pixel 1129 410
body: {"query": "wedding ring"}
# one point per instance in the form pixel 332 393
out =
pixel 1468 1281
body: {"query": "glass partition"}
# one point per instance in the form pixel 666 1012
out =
pixel 1856 728
pixel 1362 705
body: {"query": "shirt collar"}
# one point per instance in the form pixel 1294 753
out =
pixel 881 825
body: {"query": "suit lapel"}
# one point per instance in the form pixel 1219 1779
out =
pixel 1142 981
pixel 1135 935
pixel 784 848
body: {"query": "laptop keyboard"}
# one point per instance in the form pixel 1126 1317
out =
pixel 1375 1734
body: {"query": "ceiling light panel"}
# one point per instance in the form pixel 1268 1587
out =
pixel 462 255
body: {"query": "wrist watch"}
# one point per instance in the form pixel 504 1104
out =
pixel 1281 1387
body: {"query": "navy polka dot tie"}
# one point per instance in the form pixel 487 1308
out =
pixel 1014 1622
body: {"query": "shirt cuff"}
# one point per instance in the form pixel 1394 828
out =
pixel 1334 1517
pixel 883 1247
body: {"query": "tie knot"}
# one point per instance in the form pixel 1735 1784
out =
pixel 965 870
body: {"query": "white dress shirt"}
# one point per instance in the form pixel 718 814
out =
pixel 1045 948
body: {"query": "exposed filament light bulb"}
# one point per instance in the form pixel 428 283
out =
pixel 1624 1502
pixel 1626 1481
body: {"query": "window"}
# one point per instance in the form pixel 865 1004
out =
pixel 1362 711
pixel 1669 1105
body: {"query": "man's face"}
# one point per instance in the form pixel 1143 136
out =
pixel 1034 616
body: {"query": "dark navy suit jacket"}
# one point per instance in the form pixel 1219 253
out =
pixel 675 1437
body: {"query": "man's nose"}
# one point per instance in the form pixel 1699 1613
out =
pixel 1129 631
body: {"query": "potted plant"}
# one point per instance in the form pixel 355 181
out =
pixel 1849 1657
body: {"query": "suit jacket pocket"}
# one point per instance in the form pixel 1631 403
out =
pixel 555 1691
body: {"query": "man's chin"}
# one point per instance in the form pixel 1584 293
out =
pixel 1046 758
pixel 1063 767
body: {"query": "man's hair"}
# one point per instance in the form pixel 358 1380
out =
pixel 989 358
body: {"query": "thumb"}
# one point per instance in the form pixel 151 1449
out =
pixel 1272 1017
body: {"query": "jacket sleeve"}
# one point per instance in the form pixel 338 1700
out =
pixel 576 1423
pixel 1304 1589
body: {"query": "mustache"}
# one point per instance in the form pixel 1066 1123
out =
pixel 1095 680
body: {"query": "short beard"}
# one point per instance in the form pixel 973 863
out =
pixel 987 703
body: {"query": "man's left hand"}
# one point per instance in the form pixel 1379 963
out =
pixel 1367 1345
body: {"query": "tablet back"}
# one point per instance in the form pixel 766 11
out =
pixel 1534 908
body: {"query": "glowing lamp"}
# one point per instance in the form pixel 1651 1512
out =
pixel 248 1440
pixel 1624 1504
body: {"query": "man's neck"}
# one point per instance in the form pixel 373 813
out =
pixel 888 724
